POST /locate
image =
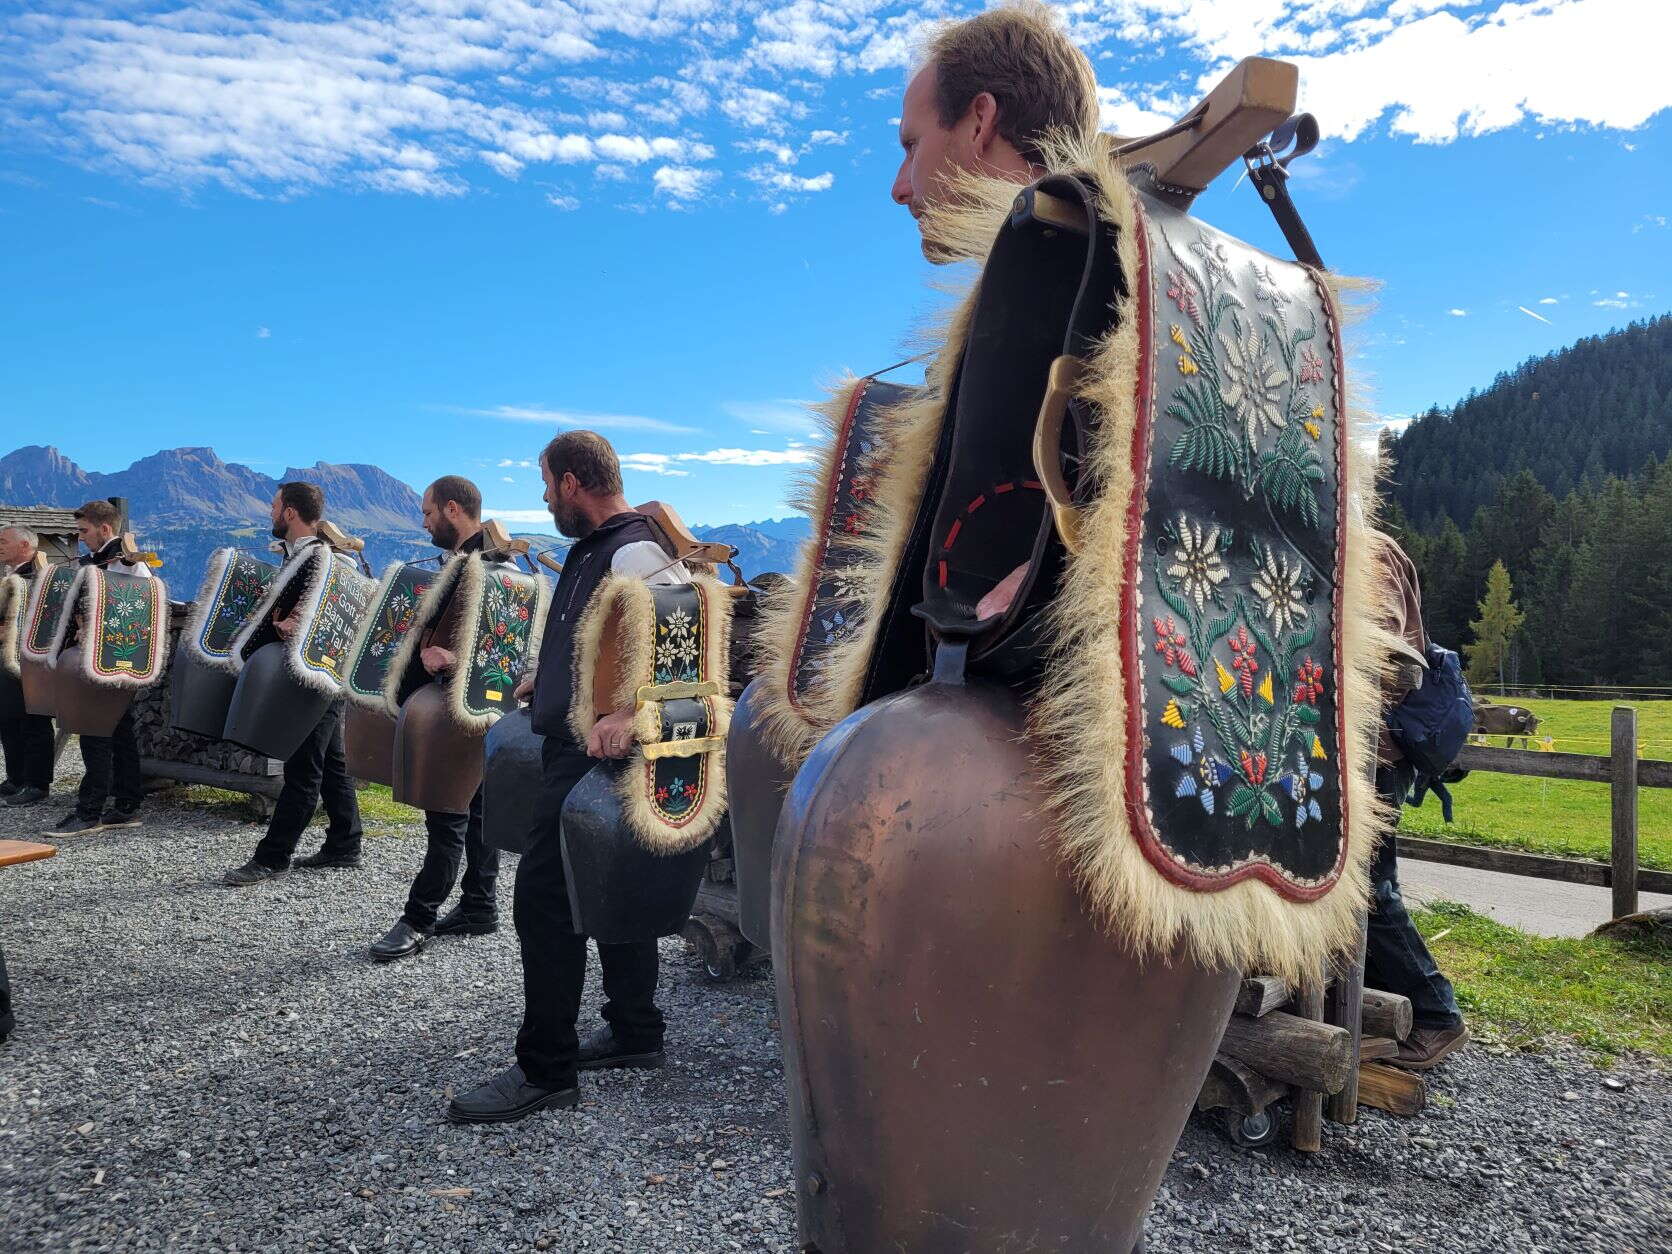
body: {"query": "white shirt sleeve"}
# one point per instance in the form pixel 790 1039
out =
pixel 139 570
pixel 646 560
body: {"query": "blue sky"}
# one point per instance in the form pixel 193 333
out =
pixel 427 234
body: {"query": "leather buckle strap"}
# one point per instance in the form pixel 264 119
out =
pixel 1060 385
pixel 682 690
pixel 1268 170
pixel 689 748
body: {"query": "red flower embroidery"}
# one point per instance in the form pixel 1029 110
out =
pixel 1311 367
pixel 1171 645
pixel 499 629
pixel 851 524
pixel 1309 684
pixel 1179 292
pixel 690 792
pixel 1254 767
pixel 661 794
pixel 522 613
pixel 1243 660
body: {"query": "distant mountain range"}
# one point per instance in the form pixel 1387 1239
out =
pixel 187 502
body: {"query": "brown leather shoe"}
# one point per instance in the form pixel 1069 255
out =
pixel 1428 1047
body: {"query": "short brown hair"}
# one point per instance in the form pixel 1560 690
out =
pixel 457 488
pixel 589 457
pixel 99 513
pixel 1019 54
pixel 305 498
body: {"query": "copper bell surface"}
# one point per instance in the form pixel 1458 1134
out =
pixel 438 765
pixel 82 707
pixel 369 743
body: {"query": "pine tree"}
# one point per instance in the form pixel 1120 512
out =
pixel 1494 631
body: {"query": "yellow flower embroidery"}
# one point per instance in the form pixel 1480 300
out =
pixel 1171 717
pixel 1177 334
pixel 1186 366
pixel 1265 690
pixel 1318 748
pixel 1317 411
pixel 1225 680
pixel 1314 430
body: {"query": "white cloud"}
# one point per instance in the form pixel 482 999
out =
pixel 827 137
pixel 749 457
pixel 1548 300
pixel 559 201
pixel 651 464
pixel 566 418
pixel 263 333
pixel 1655 220
pixel 520 516
pixel 1458 313
pixel 682 183
pixel 523 463
pixel 506 479
pixel 783 414
pixel 785 181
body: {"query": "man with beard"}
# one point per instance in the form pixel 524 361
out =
pixel 25 739
pixel 110 763
pixel 452 508
pixel 318 768
pixel 584 494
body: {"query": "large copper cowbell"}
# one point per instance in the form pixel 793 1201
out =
pixel 438 764
pixel 369 743
pixel 973 1062
pixel 755 784
pixel 83 707
pixel 39 692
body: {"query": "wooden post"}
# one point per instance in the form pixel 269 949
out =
pixel 1307 1132
pixel 1622 772
pixel 1344 1008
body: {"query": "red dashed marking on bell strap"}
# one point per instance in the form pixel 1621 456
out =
pixel 952 534
pixel 1033 484
pixel 1003 488
pixel 976 504
pixel 943 574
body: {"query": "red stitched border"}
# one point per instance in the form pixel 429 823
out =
pixel 843 434
pixel 1136 805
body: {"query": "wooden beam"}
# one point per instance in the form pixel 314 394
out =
pixel 1623 811
pixel 1393 1089
pixel 1290 1048
pixel 1306 1129
pixel 1344 1008
pixel 1386 1014
pixel 1250 102
pixel 1511 862
pixel 1260 995
pixel 1376 1048
pixel 1585 767
pixel 1237 1086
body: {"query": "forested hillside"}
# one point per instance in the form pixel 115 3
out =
pixel 1561 471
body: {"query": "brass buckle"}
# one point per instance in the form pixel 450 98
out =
pixel 1066 373
pixel 678 691
pixel 683 748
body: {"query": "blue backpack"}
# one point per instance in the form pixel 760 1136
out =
pixel 1433 722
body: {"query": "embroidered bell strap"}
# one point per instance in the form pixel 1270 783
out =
pixel 502 638
pixel 833 607
pixel 390 616
pixel 330 619
pixel 243 582
pixel 681 708
pixel 13 596
pixel 48 602
pixel 125 630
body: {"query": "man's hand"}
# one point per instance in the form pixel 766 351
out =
pixel 524 690
pixel 611 736
pixel 436 660
pixel 998 600
pixel 286 627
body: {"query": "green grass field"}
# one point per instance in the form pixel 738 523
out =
pixel 1612 996
pixel 1553 816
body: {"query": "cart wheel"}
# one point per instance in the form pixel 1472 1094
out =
pixel 1249 1131
pixel 722 948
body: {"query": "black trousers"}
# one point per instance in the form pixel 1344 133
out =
pixel 452 838
pixel 315 771
pixel 27 743
pixel 1395 958
pixel 554 954
pixel 7 1022
pixel 111 771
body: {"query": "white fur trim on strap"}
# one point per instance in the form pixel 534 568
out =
pixel 310 564
pixel 13 594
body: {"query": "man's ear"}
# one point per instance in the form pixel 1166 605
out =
pixel 984 114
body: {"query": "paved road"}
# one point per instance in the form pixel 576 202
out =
pixel 1543 907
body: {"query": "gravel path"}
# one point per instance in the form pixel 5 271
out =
pixel 208 1068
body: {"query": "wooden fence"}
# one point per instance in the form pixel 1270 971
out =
pixel 1622 770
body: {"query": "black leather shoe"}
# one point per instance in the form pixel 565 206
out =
pixel 398 942
pixel 508 1097
pixel 457 923
pixel 8 788
pixel 121 818
pixel 601 1052
pixel 328 861
pixel 26 797
pixel 252 872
